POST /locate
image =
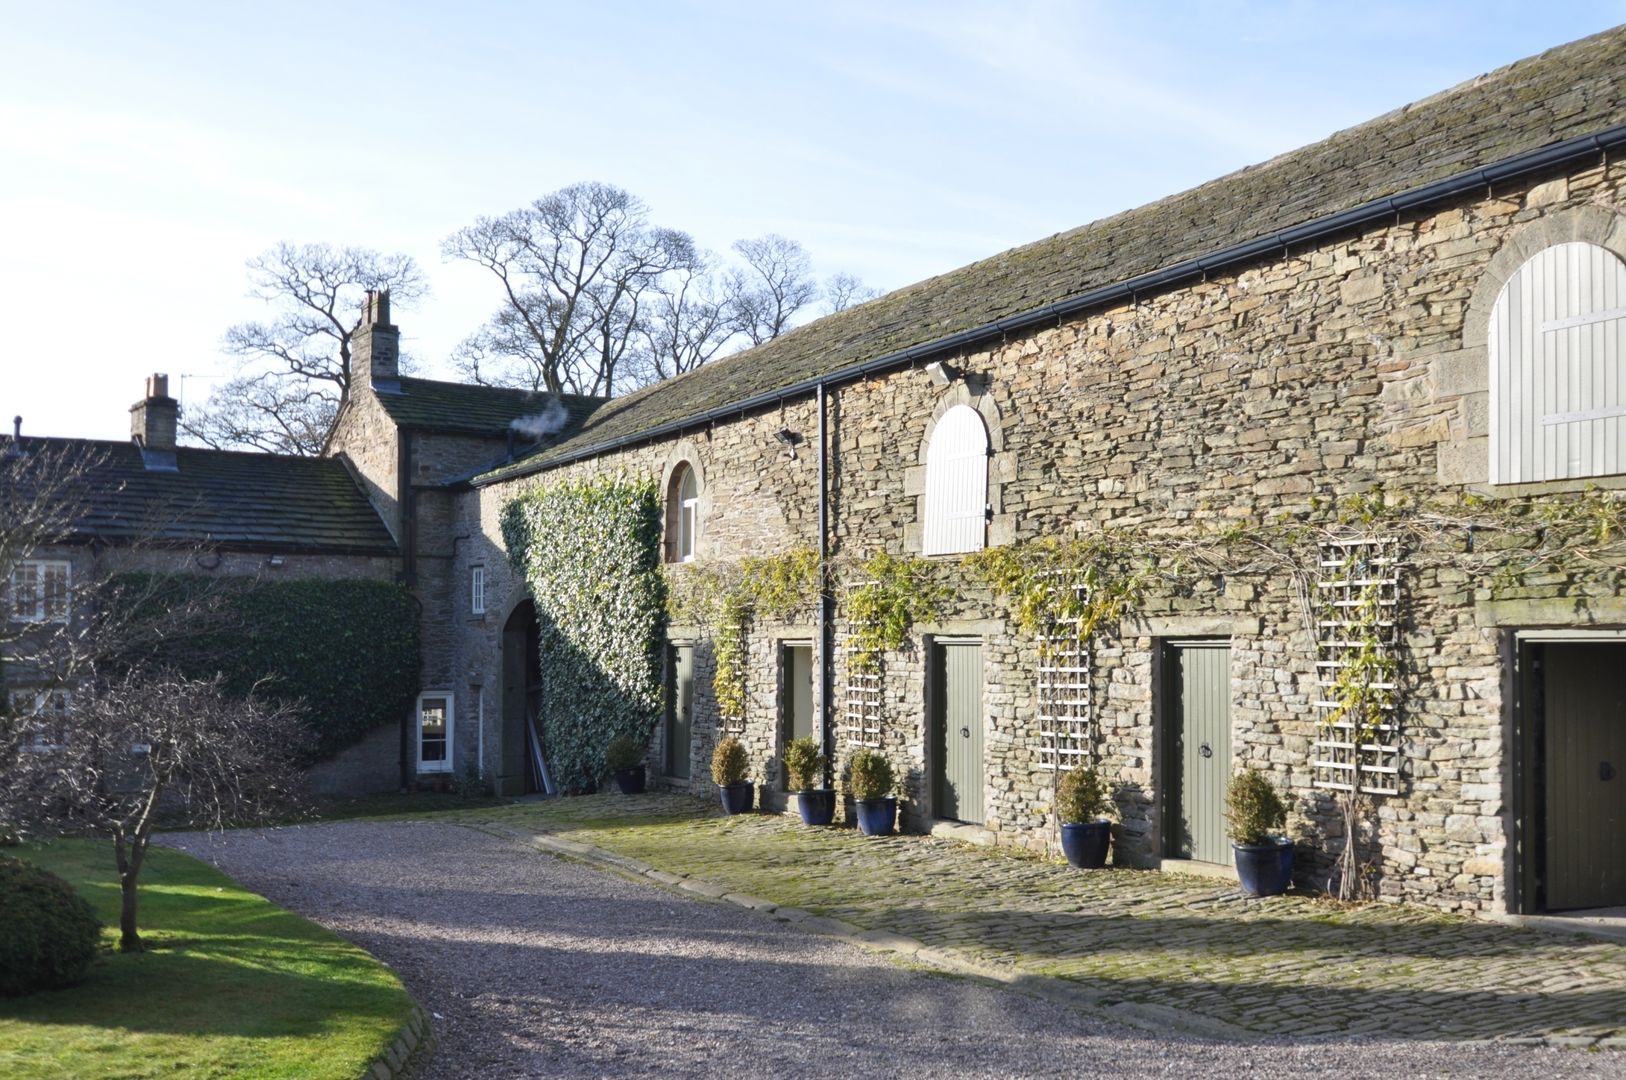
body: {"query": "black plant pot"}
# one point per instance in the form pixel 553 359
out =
pixel 818 806
pixel 630 781
pixel 877 817
pixel 1265 869
pixel 737 797
pixel 1085 843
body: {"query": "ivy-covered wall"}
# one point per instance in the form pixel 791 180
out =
pixel 347 649
pixel 590 552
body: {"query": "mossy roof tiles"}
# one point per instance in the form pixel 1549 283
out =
pixel 467 409
pixel 1573 90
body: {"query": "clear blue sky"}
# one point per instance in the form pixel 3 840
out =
pixel 148 149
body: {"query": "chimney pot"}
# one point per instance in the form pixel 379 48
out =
pixel 154 418
pixel 375 346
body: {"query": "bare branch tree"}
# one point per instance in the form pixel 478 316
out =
pixel 775 283
pixel 686 322
pixel 574 268
pixel 146 747
pixel 843 290
pixel 294 370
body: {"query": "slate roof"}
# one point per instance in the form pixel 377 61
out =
pixel 467 409
pixel 1576 89
pixel 252 501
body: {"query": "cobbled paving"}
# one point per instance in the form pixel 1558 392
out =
pixel 1294 965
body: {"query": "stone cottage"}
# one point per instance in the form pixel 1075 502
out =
pixel 1424 311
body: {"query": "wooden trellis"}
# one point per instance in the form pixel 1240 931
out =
pixel 735 725
pixel 865 688
pixel 1357 608
pixel 1066 705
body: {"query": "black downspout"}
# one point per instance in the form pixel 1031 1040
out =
pixel 406 506
pixel 826 660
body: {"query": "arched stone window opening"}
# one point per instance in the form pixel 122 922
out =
pixel 682 514
pixel 956 517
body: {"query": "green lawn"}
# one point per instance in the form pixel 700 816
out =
pixel 396 805
pixel 231 985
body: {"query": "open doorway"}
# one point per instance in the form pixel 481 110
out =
pixel 520 771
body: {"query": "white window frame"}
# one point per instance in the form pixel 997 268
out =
pixel 686 522
pixel 956 474
pixel 477 590
pixel 33 703
pixel 445 764
pixel 30 578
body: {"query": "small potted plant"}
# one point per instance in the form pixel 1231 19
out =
pixel 1255 816
pixel 1082 803
pixel 872 792
pixel 625 758
pixel 805 765
pixel 728 768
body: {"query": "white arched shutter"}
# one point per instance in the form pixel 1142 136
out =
pixel 1557 348
pixel 957 483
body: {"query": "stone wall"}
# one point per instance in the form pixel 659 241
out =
pixel 1343 368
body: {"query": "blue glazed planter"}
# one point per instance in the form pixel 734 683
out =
pixel 737 797
pixel 630 781
pixel 1085 843
pixel 877 817
pixel 818 806
pixel 1265 869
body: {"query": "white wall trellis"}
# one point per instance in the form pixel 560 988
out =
pixel 1357 606
pixel 862 698
pixel 735 725
pixel 1066 700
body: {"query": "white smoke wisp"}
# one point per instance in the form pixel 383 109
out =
pixel 540 425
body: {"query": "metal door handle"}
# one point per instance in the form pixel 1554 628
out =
pixel 1606 771
pixel 1205 750
pixel 965 733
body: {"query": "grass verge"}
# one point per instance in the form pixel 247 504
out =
pixel 231 985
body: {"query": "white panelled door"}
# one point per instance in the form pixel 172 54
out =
pixel 1557 347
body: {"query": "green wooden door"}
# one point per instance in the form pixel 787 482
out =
pixel 679 709
pixel 1197 746
pixel 796 699
pixel 1584 753
pixel 957 730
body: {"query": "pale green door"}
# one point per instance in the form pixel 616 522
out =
pixel 679 709
pixel 796 697
pixel 1197 749
pixel 957 730
pixel 1584 751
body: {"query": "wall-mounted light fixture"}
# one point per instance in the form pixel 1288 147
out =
pixel 942 372
pixel 789 440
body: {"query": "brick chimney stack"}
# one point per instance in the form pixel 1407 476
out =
pixel 375 345
pixel 153 419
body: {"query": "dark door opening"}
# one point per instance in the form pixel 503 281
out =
pixel 796 719
pixel 956 697
pixel 1574 796
pixel 521 702
pixel 679 709
pixel 1196 749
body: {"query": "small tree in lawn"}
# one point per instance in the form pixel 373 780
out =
pixel 146 747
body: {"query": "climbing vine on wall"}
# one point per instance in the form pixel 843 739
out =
pixel 347 650
pixel 891 593
pixel 590 552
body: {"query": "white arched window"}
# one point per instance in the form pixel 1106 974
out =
pixel 1557 346
pixel 957 484
pixel 682 514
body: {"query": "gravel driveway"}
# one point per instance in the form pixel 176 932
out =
pixel 533 966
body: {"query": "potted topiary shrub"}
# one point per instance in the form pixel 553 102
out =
pixel 1082 803
pixel 805 765
pixel 1255 816
pixel 877 807
pixel 728 768
pixel 625 758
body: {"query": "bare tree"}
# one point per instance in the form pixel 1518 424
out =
pixel 146 747
pixel 686 322
pixel 775 283
pixel 843 290
pixel 574 268
pixel 294 370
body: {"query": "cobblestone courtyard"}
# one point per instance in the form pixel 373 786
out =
pixel 1295 965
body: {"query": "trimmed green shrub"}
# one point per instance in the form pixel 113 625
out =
pixel 804 763
pixel 1082 795
pixel 48 933
pixel 871 774
pixel 729 763
pixel 590 550
pixel 1254 810
pixel 624 752
pixel 348 650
